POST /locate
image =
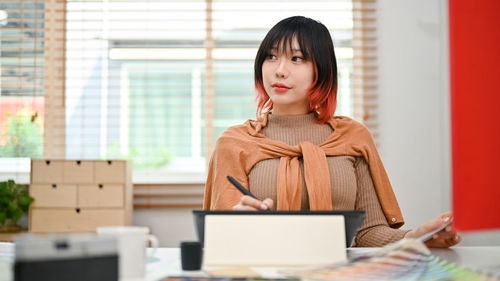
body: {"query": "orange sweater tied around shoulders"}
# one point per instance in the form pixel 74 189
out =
pixel 241 147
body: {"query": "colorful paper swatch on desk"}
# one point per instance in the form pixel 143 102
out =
pixel 408 259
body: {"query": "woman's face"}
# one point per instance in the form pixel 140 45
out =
pixel 286 78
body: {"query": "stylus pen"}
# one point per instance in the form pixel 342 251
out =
pixel 240 187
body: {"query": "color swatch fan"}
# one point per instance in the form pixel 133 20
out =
pixel 408 259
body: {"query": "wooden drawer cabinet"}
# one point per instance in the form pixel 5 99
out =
pixel 78 196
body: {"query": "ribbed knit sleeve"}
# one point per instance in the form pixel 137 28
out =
pixel 375 231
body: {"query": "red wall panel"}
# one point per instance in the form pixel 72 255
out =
pixel 475 109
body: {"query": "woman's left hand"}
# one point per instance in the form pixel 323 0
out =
pixel 442 239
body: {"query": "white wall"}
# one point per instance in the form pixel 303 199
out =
pixel 413 105
pixel 414 109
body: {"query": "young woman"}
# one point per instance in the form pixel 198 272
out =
pixel 297 155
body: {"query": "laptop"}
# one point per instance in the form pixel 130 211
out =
pixel 352 219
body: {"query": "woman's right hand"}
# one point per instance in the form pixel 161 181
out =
pixel 248 203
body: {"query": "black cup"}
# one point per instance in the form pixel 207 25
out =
pixel 191 255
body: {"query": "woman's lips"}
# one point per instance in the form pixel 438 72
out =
pixel 280 88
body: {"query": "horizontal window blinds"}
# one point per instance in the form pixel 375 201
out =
pixel 135 74
pixel 159 81
pixel 21 86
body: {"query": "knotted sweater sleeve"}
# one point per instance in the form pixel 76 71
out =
pixel 234 154
pixel 228 159
pixel 375 231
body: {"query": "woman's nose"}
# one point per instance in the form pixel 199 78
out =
pixel 282 69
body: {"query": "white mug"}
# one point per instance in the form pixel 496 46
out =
pixel 132 244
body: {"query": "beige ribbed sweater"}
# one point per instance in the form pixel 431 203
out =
pixel 351 182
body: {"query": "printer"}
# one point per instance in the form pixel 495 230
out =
pixel 76 257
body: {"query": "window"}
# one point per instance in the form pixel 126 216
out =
pixel 158 81
pixel 21 86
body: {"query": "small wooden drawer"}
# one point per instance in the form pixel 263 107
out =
pixel 111 171
pixel 53 195
pixel 78 171
pixel 74 220
pixel 101 195
pixel 46 171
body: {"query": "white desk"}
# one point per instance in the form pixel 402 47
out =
pixel 478 258
pixel 167 261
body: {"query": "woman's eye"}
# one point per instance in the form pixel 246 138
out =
pixel 297 59
pixel 271 57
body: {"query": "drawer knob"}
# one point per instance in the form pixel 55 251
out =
pixel 110 162
pixel 54 186
pixel 77 210
pixel 78 162
pixel 100 186
pixel 47 162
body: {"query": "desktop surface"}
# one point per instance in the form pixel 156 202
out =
pixel 166 261
pixel 485 259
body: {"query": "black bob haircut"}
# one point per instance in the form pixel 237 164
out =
pixel 316 46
